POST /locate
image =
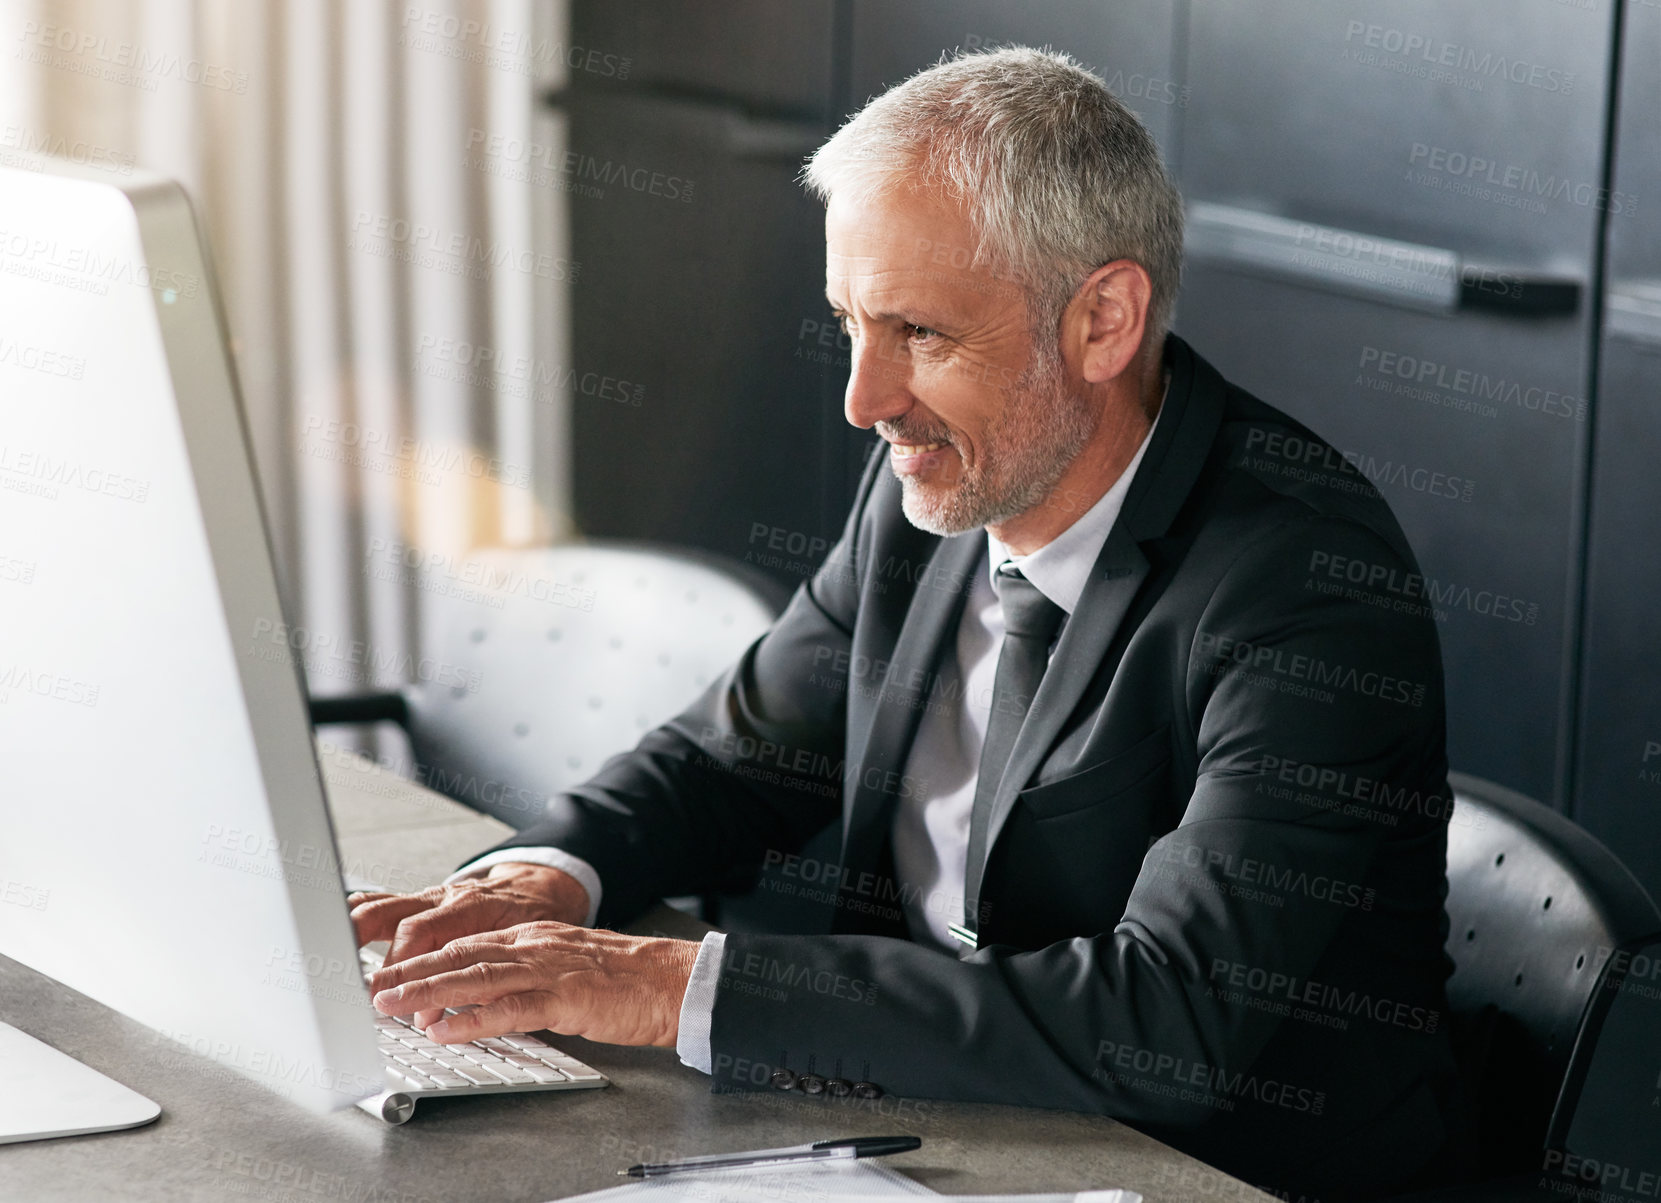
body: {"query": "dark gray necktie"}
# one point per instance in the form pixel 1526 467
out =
pixel 1030 623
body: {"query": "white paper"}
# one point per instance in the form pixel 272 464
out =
pixel 814 1183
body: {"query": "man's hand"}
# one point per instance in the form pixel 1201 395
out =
pixel 510 894
pixel 600 985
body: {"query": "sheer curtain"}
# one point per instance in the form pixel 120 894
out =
pixel 398 300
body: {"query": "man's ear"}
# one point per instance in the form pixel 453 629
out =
pixel 1107 320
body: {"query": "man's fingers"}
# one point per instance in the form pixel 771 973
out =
pixel 520 1012
pixel 377 916
pixel 432 928
pixel 458 954
pixel 482 982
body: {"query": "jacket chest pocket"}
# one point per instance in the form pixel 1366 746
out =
pixel 1138 768
pixel 1065 863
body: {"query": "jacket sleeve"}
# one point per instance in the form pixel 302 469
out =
pixel 755 764
pixel 1123 1021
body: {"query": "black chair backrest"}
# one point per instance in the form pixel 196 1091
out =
pixel 1535 906
pixel 1607 1130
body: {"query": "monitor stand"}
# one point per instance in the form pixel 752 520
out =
pixel 45 1093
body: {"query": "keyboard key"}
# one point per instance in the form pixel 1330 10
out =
pixel 523 1062
pixel 510 1074
pixel 519 1040
pixel 477 1075
pixel 580 1073
pixel 544 1073
pixel 495 1044
pixel 451 1081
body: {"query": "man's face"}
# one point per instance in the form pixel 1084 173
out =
pixel 981 423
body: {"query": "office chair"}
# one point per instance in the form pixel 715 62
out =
pixel 547 661
pixel 1607 1127
pixel 1535 907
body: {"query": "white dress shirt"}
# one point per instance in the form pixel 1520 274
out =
pixel 931 827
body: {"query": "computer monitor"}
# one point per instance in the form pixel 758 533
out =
pixel 164 842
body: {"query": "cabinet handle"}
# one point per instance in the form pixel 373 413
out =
pixel 745 136
pixel 1632 311
pixel 1407 274
pixel 771 138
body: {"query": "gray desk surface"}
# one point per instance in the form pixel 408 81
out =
pixel 223 1137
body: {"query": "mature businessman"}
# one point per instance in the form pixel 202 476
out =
pixel 1137 752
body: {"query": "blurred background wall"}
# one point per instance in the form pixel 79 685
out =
pixel 567 245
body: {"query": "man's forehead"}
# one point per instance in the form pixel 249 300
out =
pixel 900 245
pixel 875 244
pixel 895 223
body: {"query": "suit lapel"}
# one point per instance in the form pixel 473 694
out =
pixel 930 622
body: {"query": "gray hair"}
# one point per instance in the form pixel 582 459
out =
pixel 1057 177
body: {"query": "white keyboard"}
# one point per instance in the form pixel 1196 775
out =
pixel 418 1068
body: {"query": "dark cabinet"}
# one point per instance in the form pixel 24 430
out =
pixel 1618 767
pixel 1394 221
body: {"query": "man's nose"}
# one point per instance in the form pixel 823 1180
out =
pixel 877 385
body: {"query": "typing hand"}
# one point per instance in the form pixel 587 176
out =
pixel 510 894
pixel 601 985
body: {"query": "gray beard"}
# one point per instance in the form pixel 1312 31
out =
pixel 1032 443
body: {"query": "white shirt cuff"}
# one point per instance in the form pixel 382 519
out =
pixel 698 1004
pixel 554 858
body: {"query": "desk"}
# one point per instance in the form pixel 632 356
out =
pixel 221 1137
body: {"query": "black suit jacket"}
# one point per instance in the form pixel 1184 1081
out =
pixel 1212 899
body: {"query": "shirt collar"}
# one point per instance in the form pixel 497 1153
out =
pixel 1061 568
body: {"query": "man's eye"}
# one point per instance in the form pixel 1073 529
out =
pixel 920 334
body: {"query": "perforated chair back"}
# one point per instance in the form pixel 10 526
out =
pixel 1535 904
pixel 548 661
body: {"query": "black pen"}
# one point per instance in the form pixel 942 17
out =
pixel 824 1150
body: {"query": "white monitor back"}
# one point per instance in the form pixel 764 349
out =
pixel 164 844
